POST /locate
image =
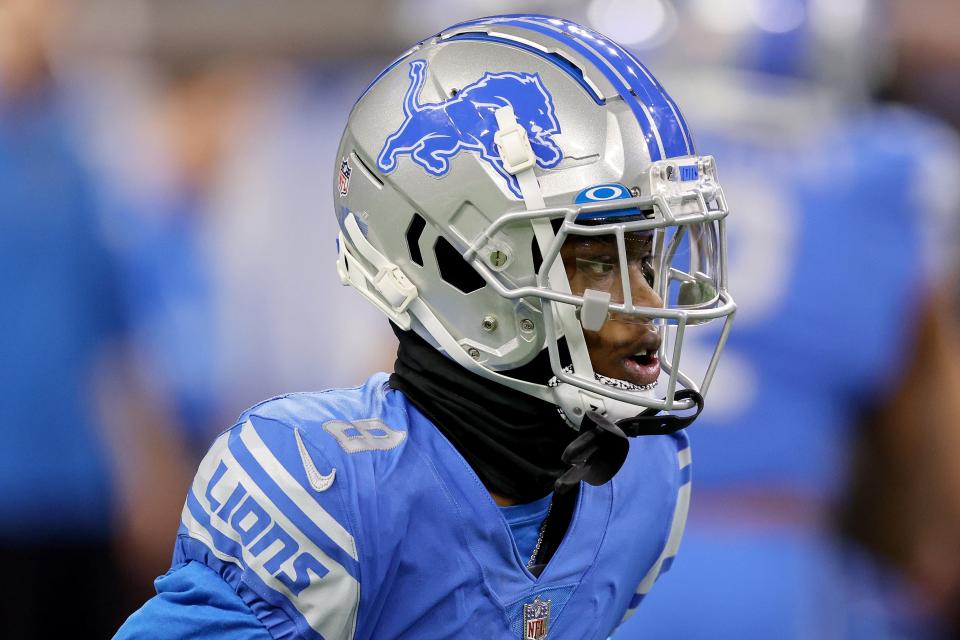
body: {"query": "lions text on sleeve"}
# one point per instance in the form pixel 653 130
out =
pixel 345 514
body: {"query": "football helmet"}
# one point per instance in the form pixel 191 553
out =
pixel 472 165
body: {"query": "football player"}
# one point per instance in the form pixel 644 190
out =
pixel 524 202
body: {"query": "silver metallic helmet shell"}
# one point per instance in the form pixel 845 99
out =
pixel 434 218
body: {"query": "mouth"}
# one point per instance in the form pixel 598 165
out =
pixel 643 367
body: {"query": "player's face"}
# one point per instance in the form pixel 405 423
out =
pixel 624 348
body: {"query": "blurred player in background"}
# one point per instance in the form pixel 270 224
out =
pixel 62 313
pixel 848 233
pixel 440 186
pixel 908 515
pixel 122 328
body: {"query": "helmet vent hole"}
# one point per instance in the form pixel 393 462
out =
pixel 417 225
pixel 454 269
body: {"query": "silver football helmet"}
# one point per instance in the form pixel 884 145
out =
pixel 475 165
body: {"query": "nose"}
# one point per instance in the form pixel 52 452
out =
pixel 642 293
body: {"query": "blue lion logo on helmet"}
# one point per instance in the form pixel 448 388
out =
pixel 432 133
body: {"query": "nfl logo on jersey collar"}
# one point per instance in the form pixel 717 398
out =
pixel 536 618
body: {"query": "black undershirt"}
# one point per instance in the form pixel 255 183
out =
pixel 511 440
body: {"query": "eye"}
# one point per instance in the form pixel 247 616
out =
pixel 594 268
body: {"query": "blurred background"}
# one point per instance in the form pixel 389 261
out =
pixel 167 259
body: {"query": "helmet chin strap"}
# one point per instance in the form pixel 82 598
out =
pixel 600 450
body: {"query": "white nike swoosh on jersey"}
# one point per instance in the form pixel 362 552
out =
pixel 317 480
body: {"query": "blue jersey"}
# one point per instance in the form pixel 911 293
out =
pixel 346 514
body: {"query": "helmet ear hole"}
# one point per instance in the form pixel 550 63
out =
pixel 454 270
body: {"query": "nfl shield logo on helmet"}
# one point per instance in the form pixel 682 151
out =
pixel 536 618
pixel 343 179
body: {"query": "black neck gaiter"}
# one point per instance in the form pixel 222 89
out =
pixel 512 441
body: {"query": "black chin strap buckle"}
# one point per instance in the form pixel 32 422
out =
pixel 599 451
pixel 595 455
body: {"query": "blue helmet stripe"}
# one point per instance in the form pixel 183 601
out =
pixel 577 75
pixel 644 84
pixel 688 139
pixel 670 127
pixel 559 61
pixel 659 119
pixel 683 124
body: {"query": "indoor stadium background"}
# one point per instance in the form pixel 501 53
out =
pixel 167 247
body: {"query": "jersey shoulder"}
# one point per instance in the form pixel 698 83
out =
pixel 348 438
pixel 275 504
pixel 658 473
pixel 658 470
pixel 654 487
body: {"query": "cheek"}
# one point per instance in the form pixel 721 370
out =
pixel 607 344
pixel 616 334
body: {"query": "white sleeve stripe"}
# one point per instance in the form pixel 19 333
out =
pixel 304 501
pixel 684 457
pixel 328 604
pixel 673 540
pixel 679 522
pixel 198 531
